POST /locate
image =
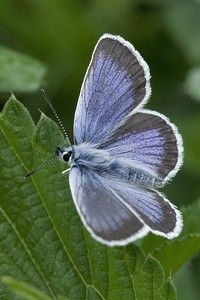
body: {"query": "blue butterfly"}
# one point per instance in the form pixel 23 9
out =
pixel 122 153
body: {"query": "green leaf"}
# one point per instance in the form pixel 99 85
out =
pixel 192 83
pixel 175 253
pixel 148 277
pixel 191 217
pixel 19 72
pixel 184 26
pixel 43 241
pixel 192 145
pixel 25 290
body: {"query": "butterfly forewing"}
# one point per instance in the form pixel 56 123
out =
pixel 117 81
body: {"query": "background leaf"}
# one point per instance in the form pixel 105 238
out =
pixel 183 248
pixel 182 20
pixel 192 83
pixel 191 216
pixel 19 72
pixel 43 242
pixel 174 254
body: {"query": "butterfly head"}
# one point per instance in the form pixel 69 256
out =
pixel 64 154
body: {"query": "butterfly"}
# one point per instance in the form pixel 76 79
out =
pixel 122 153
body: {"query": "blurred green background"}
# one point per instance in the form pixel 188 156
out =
pixel 61 36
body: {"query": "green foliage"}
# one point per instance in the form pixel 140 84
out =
pixel 43 241
pixel 172 255
pixel 24 290
pixel 19 72
pixel 175 253
pixel 192 84
pixel 191 215
pixel 182 20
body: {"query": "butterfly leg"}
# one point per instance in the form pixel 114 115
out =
pixel 66 172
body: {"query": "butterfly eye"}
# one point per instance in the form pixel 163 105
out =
pixel 66 156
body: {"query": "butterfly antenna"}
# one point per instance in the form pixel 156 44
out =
pixel 46 163
pixel 55 115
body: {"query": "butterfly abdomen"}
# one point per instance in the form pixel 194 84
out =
pixel 128 173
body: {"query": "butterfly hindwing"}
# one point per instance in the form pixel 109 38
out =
pixel 117 213
pixel 152 208
pixel 150 141
pixel 103 214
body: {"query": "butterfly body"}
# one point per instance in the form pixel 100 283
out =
pixel 88 157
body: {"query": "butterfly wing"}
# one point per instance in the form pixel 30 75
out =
pixel 152 208
pixel 116 82
pixel 150 141
pixel 117 214
pixel 102 213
